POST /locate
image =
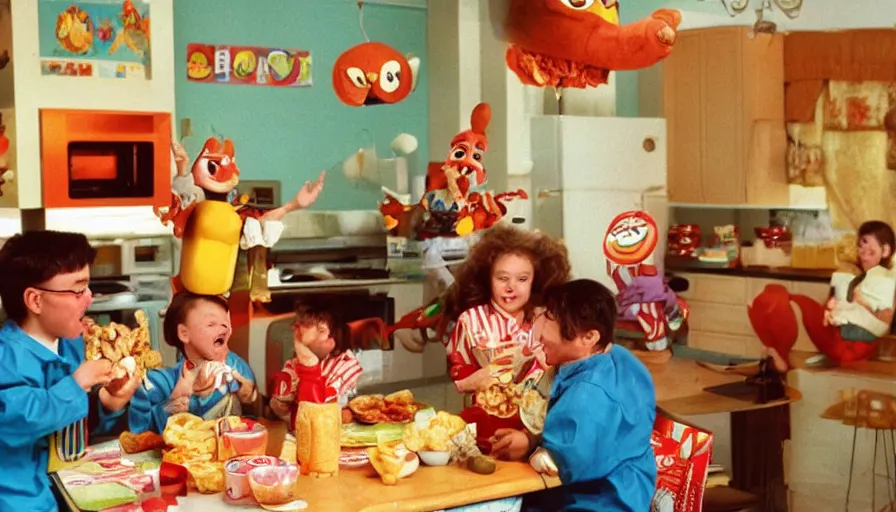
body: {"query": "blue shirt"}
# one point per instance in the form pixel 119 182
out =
pixel 597 430
pixel 38 397
pixel 147 410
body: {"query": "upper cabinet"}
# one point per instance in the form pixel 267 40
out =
pixel 723 99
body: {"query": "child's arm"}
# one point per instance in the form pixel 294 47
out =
pixel 29 413
pixel 148 410
pixel 464 371
pixel 244 375
pixel 581 432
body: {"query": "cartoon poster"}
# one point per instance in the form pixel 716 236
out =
pixel 95 38
pixel 248 65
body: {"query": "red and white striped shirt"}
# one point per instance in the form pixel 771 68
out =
pixel 488 323
pixel 341 372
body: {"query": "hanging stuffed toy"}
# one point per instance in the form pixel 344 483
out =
pixel 645 301
pixel 214 225
pixel 457 201
pixel 372 74
pixel 576 43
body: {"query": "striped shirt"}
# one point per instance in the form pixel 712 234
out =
pixel 487 324
pixel 341 372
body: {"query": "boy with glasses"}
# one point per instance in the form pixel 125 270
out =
pixel 44 380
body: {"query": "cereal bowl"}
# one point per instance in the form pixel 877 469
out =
pixel 274 485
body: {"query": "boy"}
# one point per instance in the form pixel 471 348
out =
pixel 314 374
pixel 209 381
pixel 44 380
pixel 601 411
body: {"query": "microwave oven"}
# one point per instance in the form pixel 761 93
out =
pixel 100 158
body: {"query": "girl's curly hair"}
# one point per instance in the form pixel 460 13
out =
pixel 473 278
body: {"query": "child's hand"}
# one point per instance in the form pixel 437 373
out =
pixel 305 356
pixel 178 404
pixel 480 379
pixel 280 408
pixel 184 386
pixel 246 393
pixel 117 393
pixel 510 444
pixel 92 373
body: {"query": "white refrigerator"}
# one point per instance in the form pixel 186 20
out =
pixel 587 170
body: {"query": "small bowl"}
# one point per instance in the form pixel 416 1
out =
pixel 434 458
pixel 274 485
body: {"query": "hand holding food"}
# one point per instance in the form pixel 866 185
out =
pixel 480 379
pixel 247 392
pixel 510 444
pixel 129 350
pixel 93 373
pixel 118 392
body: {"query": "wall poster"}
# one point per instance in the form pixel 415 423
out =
pixel 95 38
pixel 248 65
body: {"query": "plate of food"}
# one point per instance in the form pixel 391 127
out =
pixel 398 407
pixel 356 435
pixel 499 400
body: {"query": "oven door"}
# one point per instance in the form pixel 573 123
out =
pixel 99 169
pixel 271 337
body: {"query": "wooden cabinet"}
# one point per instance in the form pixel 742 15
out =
pixel 723 99
pixel 718 312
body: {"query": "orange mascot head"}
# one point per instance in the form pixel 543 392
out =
pixel 576 43
pixel 215 168
pixel 631 238
pixel 373 74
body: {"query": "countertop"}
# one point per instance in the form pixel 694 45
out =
pixel 780 273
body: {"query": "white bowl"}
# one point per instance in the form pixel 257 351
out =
pixel 434 458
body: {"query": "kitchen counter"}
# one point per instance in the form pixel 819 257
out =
pixel 779 273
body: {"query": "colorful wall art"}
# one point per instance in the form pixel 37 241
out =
pixel 94 39
pixel 248 65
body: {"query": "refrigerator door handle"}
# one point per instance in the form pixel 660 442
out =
pixel 545 193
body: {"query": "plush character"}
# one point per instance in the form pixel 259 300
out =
pixel 373 74
pixel 5 173
pixel 456 201
pixel 576 43
pixel 214 227
pixel 645 300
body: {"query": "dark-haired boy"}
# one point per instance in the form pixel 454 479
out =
pixel 601 410
pixel 44 380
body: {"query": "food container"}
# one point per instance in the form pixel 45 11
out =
pixel 318 436
pixel 246 438
pixel 173 479
pixel 236 475
pixel 274 485
pixel 434 458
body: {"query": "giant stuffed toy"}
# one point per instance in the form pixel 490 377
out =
pixel 214 224
pixel 576 43
pixel 456 201
pixel 645 300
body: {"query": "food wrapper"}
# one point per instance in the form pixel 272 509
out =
pixel 465 446
pixel 683 453
pixel 318 433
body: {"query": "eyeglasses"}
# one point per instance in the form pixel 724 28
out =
pixel 77 293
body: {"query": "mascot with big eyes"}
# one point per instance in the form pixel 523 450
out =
pixel 576 43
pixel 374 74
pixel 645 301
pixel 213 223
pixel 457 201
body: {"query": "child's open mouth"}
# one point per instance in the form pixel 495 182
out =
pixel 220 341
pixel 508 300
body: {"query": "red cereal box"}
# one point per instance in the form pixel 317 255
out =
pixel 683 453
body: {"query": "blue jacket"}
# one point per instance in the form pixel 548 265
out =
pixel 38 397
pixel 597 430
pixel 147 409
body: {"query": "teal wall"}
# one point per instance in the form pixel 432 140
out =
pixel 290 134
pixel 633 10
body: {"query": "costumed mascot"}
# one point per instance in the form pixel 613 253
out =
pixel 214 224
pixel 645 301
pixel 576 43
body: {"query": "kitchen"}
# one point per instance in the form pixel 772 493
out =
pixel 287 136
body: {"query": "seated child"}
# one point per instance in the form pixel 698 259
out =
pixel 209 381
pixel 492 295
pixel 315 373
pixel 602 406
pixel 44 380
pixel 862 306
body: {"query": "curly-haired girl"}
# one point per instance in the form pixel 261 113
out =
pixel 493 298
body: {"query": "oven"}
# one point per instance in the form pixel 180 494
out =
pixel 269 341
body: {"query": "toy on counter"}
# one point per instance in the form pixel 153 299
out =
pixel 5 173
pixel 645 299
pixel 374 74
pixel 576 43
pixel 456 201
pixel 214 227
pixel 860 311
